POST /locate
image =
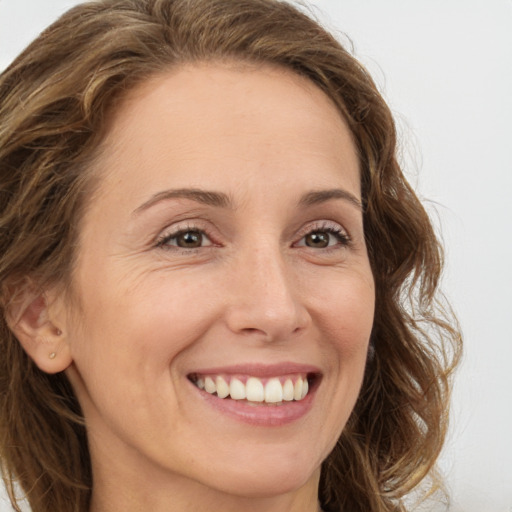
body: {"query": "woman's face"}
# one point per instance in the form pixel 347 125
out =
pixel 224 248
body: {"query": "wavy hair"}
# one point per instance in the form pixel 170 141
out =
pixel 55 102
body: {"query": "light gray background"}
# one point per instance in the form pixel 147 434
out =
pixel 445 67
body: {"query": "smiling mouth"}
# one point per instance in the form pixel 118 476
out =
pixel 255 390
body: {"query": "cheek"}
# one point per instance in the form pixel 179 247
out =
pixel 126 343
pixel 344 313
pixel 347 315
pixel 346 309
pixel 145 322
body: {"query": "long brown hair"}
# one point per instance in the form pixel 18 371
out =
pixel 55 100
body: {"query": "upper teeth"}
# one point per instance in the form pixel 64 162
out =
pixel 275 390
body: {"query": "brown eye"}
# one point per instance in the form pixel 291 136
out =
pixel 186 239
pixel 318 239
pixel 329 237
pixel 189 239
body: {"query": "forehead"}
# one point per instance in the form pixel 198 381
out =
pixel 229 117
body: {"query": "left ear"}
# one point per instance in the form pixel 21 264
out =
pixel 36 321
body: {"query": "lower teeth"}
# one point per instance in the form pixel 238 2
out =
pixel 259 404
pixel 255 403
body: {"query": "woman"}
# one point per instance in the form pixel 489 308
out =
pixel 218 290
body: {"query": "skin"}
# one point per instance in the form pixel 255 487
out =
pixel 147 312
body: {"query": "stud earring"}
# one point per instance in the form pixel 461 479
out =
pixel 53 355
pixel 58 332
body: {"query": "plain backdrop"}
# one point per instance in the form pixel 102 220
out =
pixel 445 67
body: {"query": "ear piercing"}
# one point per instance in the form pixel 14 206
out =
pixel 53 355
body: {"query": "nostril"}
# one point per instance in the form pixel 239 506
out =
pixel 271 316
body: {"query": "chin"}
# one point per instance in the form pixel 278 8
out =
pixel 264 479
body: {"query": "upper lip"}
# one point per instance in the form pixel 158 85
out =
pixel 259 369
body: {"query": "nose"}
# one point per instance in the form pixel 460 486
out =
pixel 265 299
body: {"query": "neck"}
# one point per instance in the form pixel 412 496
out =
pixel 202 501
pixel 132 491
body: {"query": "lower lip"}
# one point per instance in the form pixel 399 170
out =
pixel 258 413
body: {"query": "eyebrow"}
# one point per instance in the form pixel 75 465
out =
pixel 222 200
pixel 321 196
pixel 207 197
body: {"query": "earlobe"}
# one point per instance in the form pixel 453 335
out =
pixel 39 333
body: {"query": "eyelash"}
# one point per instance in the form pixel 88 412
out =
pixel 164 240
pixel 331 228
